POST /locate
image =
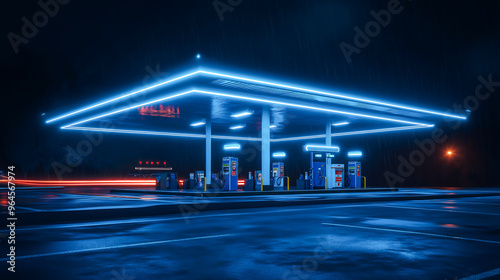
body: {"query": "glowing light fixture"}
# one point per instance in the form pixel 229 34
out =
pixel 273 126
pixel 317 148
pixel 198 56
pixel 241 114
pixel 203 122
pixel 232 147
pixel 354 154
pixel 279 155
pixel 234 127
pixel 340 124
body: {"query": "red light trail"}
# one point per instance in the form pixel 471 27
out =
pixel 83 182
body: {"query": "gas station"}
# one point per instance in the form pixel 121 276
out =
pixel 210 104
pixel 233 139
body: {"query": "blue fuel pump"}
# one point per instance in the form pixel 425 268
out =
pixel 230 173
pixel 278 174
pixel 318 170
pixel 354 174
pixel 200 179
pixel 258 179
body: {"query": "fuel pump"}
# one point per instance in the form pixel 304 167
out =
pixel 230 173
pixel 166 180
pixel 354 174
pixel 337 176
pixel 200 179
pixel 317 172
pixel 278 174
pixel 330 170
pixel 258 179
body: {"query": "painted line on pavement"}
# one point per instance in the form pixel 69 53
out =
pixel 141 221
pixel 441 210
pixel 483 275
pixel 117 247
pixel 414 232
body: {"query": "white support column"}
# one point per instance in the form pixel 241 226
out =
pixel 208 151
pixel 328 142
pixel 266 147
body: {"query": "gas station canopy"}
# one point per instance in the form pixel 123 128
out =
pixel 233 103
pixel 213 104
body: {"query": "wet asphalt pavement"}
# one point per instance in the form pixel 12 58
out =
pixel 425 239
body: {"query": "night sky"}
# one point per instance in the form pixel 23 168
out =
pixel 430 55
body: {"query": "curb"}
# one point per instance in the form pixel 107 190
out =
pixel 199 193
pixel 56 217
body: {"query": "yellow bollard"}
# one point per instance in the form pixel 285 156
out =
pixel 287 183
pixel 325 182
pixel 205 183
pixel 261 184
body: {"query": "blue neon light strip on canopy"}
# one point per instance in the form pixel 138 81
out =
pixel 310 107
pixel 179 78
pixel 189 135
pixel 160 133
pixel 359 132
pixel 129 108
pixel 251 99
pixel 333 94
pixel 123 96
